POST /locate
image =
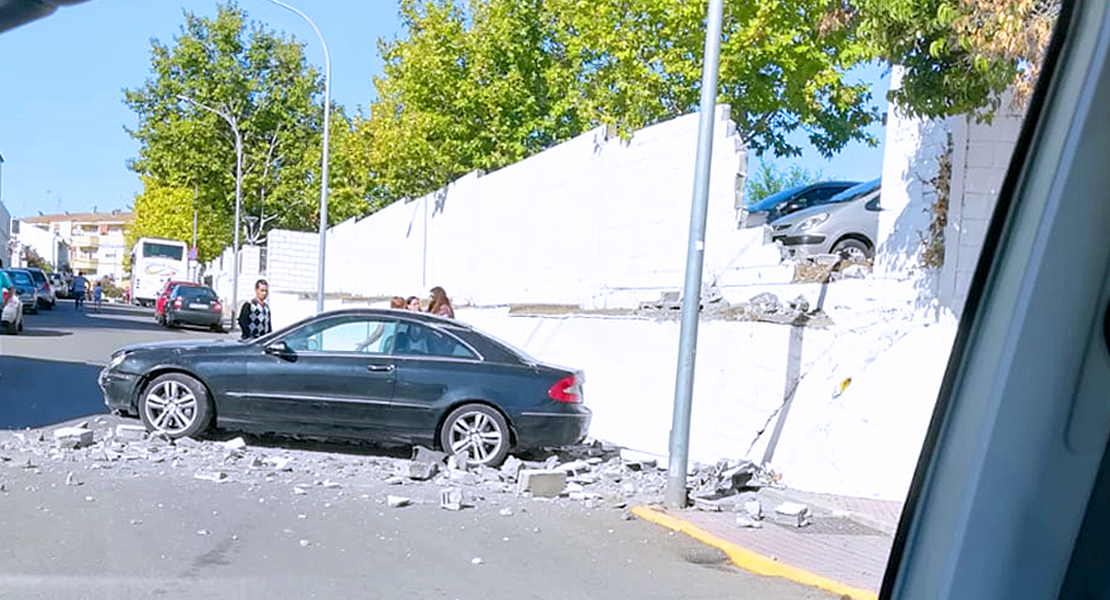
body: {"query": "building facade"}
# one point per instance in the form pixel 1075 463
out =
pixel 94 240
pixel 6 242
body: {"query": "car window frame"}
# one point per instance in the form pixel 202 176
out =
pixel 329 322
pixel 476 356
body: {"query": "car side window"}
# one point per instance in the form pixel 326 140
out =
pixel 413 339
pixel 351 336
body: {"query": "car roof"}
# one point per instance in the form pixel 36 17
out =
pixel 782 196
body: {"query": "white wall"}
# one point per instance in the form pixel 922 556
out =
pixel 51 247
pixel 5 236
pixel 912 155
pixel 594 222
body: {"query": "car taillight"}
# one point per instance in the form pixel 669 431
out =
pixel 177 303
pixel 565 390
pixel 217 307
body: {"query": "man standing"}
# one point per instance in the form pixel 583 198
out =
pixel 80 288
pixel 254 317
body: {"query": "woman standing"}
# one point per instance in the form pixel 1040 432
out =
pixel 440 304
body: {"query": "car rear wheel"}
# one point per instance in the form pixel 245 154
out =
pixel 175 404
pixel 478 430
pixel 852 250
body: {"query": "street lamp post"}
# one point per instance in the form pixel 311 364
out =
pixel 324 160
pixel 238 200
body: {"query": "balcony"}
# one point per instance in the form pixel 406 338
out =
pixel 86 241
pixel 84 264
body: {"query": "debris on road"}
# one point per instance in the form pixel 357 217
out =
pixel 217 476
pixel 754 508
pixel 452 499
pixel 131 433
pixel 397 501
pixel 477 560
pixel 505 512
pixel 800 512
pixel 542 483
pixel 73 437
pixel 748 522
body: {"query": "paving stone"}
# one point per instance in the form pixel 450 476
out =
pixel 542 483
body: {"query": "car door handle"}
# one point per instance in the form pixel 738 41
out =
pixel 379 368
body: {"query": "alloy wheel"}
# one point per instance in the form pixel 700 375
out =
pixel 171 407
pixel 478 434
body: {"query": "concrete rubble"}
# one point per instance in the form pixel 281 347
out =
pixel 594 475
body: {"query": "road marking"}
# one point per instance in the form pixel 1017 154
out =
pixel 750 560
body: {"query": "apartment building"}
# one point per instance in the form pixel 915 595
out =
pixel 6 245
pixel 95 240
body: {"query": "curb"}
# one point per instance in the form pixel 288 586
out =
pixel 752 561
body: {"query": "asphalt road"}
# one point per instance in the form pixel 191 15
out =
pixel 150 529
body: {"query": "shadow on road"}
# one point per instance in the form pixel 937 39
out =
pixel 312 444
pixel 110 316
pixel 36 392
pixel 37 332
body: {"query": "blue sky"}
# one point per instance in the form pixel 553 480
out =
pixel 61 129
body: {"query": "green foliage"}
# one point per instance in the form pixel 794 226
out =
pixel 769 180
pixel 34 260
pixel 483 84
pixel 261 80
pixel 946 71
pixel 166 211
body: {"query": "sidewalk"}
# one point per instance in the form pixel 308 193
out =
pixel 843 549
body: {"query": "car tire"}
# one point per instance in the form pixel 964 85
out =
pixel 852 249
pixel 478 429
pixel 176 405
pixel 219 329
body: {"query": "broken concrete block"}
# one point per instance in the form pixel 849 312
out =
pixel 551 462
pixel 395 480
pixel 298 491
pixel 748 522
pixel 235 444
pixel 707 505
pixel 131 433
pixel 462 477
pixel 505 512
pixel 427 455
pixel 451 499
pixel 574 468
pixel 71 480
pixel 397 501
pixel 73 437
pixel 542 483
pixel 280 463
pixel 754 509
pixel 510 469
pixel 459 462
pixel 420 471
pixel 216 476
pixel 791 509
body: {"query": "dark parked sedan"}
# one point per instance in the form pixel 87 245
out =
pixel 388 375
pixel 191 304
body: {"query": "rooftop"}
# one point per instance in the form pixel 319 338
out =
pixel 115 216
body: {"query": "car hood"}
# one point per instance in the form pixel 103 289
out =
pixel 797 217
pixel 182 345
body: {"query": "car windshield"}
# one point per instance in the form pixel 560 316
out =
pixel 775 199
pixel 855 192
pixel 378 184
pixel 21 277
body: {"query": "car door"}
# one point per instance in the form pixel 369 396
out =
pixel 332 377
pixel 432 366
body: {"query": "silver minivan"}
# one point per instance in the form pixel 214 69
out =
pixel 846 224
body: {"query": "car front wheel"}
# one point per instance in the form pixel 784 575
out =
pixel 477 430
pixel 175 404
pixel 852 250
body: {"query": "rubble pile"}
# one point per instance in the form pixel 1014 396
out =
pixel 765 308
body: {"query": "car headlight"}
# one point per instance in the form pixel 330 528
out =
pixel 813 221
pixel 117 358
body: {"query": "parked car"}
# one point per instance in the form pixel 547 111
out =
pixel 356 373
pixel 60 285
pixel 11 307
pixel 47 298
pixel 191 304
pixel 160 301
pixel 845 224
pixel 26 288
pixel 789 201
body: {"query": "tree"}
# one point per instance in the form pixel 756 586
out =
pixel 261 80
pixel 488 83
pixel 166 211
pixel 769 180
pixel 958 56
pixel 34 260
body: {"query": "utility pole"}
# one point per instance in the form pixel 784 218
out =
pixel 695 256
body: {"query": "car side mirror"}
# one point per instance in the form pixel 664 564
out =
pixel 278 349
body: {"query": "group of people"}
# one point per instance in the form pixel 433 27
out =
pixel 79 289
pixel 254 316
pixel 439 304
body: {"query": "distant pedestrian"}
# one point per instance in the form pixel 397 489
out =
pixel 80 288
pixel 98 294
pixel 413 304
pixel 254 317
pixel 441 304
pixel 397 302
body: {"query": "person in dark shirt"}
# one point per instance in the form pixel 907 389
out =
pixel 254 317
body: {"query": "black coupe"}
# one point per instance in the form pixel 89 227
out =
pixel 388 375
